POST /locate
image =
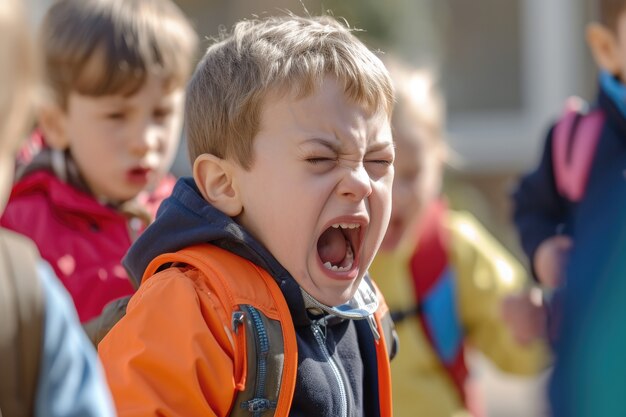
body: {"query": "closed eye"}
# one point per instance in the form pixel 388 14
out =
pixel 385 162
pixel 319 160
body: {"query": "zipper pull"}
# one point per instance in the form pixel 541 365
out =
pixel 237 320
pixel 321 325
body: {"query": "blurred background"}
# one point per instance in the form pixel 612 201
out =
pixel 505 67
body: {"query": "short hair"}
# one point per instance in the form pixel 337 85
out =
pixel 102 47
pixel 419 103
pixel 277 54
pixel 609 12
pixel 18 75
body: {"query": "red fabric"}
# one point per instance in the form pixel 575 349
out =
pixel 428 264
pixel 83 240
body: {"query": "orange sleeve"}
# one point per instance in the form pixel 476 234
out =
pixel 171 354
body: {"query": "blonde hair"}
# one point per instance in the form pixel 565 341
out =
pixel 420 105
pixel 280 54
pixel 18 73
pixel 101 47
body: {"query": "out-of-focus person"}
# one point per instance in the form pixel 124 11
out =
pixel 589 336
pixel 445 278
pixel 115 73
pixel 49 367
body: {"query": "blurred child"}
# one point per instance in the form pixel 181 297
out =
pixel 588 232
pixel 115 70
pixel 550 220
pixel 443 276
pixel 265 251
pixel 49 367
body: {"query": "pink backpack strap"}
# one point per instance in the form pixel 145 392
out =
pixel 574 143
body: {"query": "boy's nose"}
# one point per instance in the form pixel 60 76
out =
pixel 145 140
pixel 356 183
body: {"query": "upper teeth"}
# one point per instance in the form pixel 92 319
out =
pixel 345 225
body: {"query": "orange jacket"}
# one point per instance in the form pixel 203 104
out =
pixel 180 352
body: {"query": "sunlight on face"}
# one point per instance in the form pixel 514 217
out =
pixel 318 194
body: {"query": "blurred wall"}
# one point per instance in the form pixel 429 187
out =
pixel 505 68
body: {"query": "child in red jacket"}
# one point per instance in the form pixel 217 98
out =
pixel 115 71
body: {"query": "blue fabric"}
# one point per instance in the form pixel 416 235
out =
pixel 590 373
pixel 71 381
pixel 439 310
pixel 541 212
pixel 615 90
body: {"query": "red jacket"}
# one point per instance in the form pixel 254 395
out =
pixel 82 239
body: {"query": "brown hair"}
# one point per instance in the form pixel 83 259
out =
pixel 276 54
pixel 100 47
pixel 609 12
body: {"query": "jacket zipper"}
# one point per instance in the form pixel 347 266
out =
pixel 259 404
pixel 321 341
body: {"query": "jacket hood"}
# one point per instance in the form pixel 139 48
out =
pixel 186 218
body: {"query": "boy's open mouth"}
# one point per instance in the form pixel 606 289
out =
pixel 338 245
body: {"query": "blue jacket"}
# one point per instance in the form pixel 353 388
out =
pixel 589 373
pixel 541 212
pixel 186 219
pixel 71 381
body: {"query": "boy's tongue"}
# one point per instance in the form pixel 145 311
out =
pixel 332 246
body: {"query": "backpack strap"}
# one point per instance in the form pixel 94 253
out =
pixel 260 323
pixel 574 142
pixel 435 291
pixel 21 324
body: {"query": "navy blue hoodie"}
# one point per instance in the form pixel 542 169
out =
pixel 185 219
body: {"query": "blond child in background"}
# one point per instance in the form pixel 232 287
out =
pixel 49 368
pixel 115 72
pixel 265 251
pixel 443 276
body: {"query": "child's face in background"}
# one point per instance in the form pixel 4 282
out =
pixel 416 183
pixel 608 46
pixel 620 36
pixel 318 194
pixel 123 145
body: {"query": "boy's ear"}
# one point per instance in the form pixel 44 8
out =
pixel 604 48
pixel 215 180
pixel 52 121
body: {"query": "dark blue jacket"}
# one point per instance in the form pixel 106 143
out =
pixel 541 212
pixel 589 372
pixel 186 219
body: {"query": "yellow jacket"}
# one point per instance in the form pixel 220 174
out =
pixel 485 274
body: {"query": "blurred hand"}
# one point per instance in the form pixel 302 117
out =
pixel 550 258
pixel 525 316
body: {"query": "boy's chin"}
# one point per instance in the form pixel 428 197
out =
pixel 334 297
